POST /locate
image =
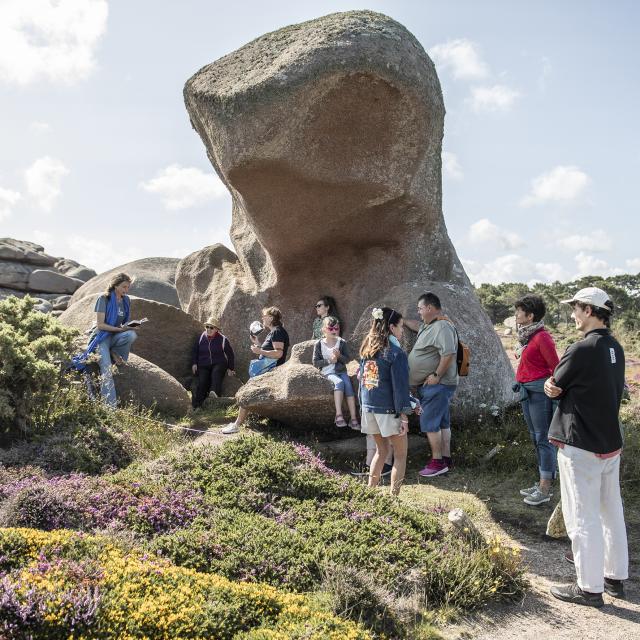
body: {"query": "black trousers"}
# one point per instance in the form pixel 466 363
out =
pixel 209 377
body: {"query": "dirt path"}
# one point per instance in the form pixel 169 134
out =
pixel 541 617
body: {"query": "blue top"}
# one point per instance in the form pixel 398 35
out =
pixel 384 382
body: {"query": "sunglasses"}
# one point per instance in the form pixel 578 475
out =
pixel 320 304
pixel 209 326
pixel 334 329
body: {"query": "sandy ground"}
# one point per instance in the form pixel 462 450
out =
pixel 539 616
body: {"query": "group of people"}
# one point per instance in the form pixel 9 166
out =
pixel 570 404
pixel 571 407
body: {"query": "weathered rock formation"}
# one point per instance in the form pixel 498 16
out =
pixel 295 393
pixel 146 384
pixel 166 340
pixel 328 135
pixel 25 269
pixel 153 279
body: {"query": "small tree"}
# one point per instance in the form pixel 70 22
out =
pixel 30 344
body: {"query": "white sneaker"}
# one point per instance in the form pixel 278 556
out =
pixel 232 427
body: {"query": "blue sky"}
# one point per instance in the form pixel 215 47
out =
pixel 541 147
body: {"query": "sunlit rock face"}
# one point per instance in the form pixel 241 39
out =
pixel 328 135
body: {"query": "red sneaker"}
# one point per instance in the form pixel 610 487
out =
pixel 434 468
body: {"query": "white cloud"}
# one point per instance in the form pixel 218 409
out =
pixel 588 265
pixel 484 231
pixel 7 199
pixel 498 97
pixel 43 179
pixel 597 240
pixel 53 40
pixel 185 187
pixel 633 264
pixel 462 57
pixel 40 127
pixel 100 255
pixel 563 184
pixel 451 165
pixel 513 268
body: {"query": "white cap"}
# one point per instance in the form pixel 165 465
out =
pixel 593 296
pixel 255 327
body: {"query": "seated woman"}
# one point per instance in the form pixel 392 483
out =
pixel 272 353
pixel 326 306
pixel 385 400
pixel 331 355
pixel 211 358
pixel 112 338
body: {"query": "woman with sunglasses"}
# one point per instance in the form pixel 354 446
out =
pixel 211 358
pixel 331 355
pixel 325 307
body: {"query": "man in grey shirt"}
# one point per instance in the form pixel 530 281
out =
pixel 433 370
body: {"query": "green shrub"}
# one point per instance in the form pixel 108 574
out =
pixel 280 516
pixel 86 436
pixel 63 585
pixel 30 344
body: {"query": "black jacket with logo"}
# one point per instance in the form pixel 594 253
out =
pixel 591 376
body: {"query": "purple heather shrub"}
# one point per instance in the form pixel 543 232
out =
pixel 90 503
pixel 24 607
pixel 311 459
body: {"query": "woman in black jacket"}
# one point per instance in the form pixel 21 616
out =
pixel 212 357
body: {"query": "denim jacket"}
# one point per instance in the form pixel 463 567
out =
pixel 384 382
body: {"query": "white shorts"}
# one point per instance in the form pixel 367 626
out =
pixel 384 424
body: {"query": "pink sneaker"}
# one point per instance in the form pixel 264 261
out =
pixel 434 468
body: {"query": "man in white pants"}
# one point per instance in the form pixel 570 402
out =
pixel 589 381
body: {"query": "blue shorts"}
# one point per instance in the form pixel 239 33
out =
pixel 435 400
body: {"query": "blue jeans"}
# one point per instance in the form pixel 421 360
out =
pixel 341 382
pixel 119 343
pixel 538 411
pixel 435 400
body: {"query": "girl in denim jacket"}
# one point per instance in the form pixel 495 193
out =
pixel 385 401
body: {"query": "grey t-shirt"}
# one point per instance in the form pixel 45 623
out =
pixel 434 341
pixel 101 307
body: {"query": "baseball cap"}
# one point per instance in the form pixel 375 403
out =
pixel 593 296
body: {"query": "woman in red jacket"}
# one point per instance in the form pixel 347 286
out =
pixel 538 358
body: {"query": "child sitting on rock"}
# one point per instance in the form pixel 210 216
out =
pixel 331 355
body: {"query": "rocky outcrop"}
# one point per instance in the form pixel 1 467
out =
pixel 328 135
pixel 296 393
pixel 166 340
pixel 153 279
pixel 23 251
pixel 26 269
pixel 146 384
pixel 74 269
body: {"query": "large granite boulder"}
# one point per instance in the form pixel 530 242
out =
pixel 328 135
pixel 166 340
pixel 146 384
pixel 153 279
pixel 296 393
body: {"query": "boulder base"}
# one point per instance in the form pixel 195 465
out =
pixel 144 383
pixel 166 340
